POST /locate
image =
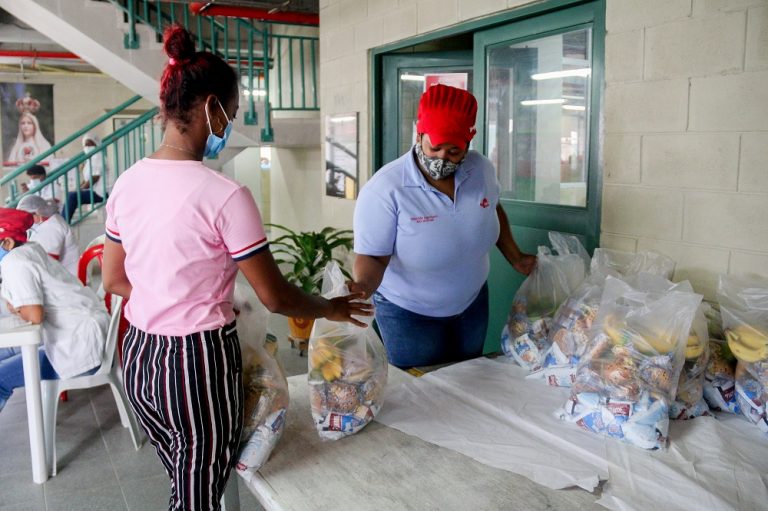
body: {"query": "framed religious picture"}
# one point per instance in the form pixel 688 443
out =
pixel 26 112
pixel 341 155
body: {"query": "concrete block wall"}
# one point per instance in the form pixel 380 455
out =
pixel 686 134
pixel 685 141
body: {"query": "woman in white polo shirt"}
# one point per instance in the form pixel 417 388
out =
pixel 424 226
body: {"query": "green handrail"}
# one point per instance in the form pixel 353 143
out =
pixel 74 136
pixel 252 64
pixel 133 148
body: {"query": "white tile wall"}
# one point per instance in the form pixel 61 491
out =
pixel 624 56
pixel 753 164
pixel 434 14
pixel 647 212
pixel 757 37
pixel 703 46
pixel 624 15
pixel 622 159
pixel 691 160
pixel 657 106
pixel 736 102
pixel 736 220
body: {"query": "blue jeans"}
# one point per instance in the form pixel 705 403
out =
pixel 85 198
pixel 415 340
pixel 12 371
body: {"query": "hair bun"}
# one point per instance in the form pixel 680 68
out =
pixel 178 43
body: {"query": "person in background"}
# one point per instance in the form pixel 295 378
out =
pixel 424 226
pixel 94 170
pixel 39 290
pixel 176 255
pixel 36 175
pixel 51 231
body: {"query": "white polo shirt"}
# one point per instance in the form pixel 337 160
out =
pixel 439 248
pixel 56 237
pixel 74 319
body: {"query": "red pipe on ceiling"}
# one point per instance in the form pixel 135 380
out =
pixel 39 54
pixel 291 17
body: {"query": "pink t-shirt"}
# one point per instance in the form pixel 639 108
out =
pixel 183 227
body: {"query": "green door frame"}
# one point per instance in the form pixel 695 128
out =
pixel 447 60
pixel 577 219
pixel 502 18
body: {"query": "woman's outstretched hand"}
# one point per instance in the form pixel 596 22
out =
pixel 344 307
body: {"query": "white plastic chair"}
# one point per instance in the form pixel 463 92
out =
pixel 109 373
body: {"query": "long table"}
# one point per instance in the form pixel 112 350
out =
pixel 381 468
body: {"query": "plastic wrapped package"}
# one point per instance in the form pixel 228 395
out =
pixel 744 309
pixel 627 378
pixel 347 370
pixel 689 402
pixel 525 336
pixel 568 335
pixel 720 378
pixel 265 387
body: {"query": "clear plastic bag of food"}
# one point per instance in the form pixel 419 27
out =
pixel 744 309
pixel 347 369
pixel 265 387
pixel 689 402
pixel 627 378
pixel 524 338
pixel 568 335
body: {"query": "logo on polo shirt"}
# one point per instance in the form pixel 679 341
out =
pixel 484 203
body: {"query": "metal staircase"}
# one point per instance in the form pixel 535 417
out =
pixel 277 64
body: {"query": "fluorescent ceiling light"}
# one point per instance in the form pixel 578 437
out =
pixel 529 102
pixel 573 97
pixel 583 72
pixel 343 119
pixel 257 92
pixel 579 108
pixel 412 78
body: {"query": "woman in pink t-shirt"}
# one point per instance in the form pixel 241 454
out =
pixel 177 233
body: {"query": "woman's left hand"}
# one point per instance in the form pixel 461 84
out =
pixel 525 264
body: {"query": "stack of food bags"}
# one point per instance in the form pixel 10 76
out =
pixel 627 378
pixel 744 307
pixel 265 386
pixel 568 335
pixel 347 369
pixel 525 336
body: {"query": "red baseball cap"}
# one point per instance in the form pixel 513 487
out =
pixel 14 224
pixel 447 114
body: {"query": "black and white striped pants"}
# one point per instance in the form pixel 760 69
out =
pixel 187 393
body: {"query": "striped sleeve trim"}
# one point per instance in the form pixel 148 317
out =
pixel 113 235
pixel 252 249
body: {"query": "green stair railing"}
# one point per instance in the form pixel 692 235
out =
pixel 253 48
pixel 117 151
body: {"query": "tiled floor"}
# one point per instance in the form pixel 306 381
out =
pixel 98 467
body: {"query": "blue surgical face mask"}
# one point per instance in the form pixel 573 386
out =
pixel 3 253
pixel 215 143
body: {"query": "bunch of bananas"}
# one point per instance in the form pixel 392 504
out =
pixel 622 335
pixel 325 357
pixel 747 343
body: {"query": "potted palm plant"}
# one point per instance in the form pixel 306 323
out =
pixel 302 256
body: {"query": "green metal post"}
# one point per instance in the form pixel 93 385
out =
pixel 250 116
pixel 303 87
pixel 186 17
pixel 279 72
pixel 313 63
pixel 131 40
pixel 159 19
pixel 267 135
pixel 290 69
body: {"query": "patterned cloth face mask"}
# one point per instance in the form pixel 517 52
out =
pixel 437 168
